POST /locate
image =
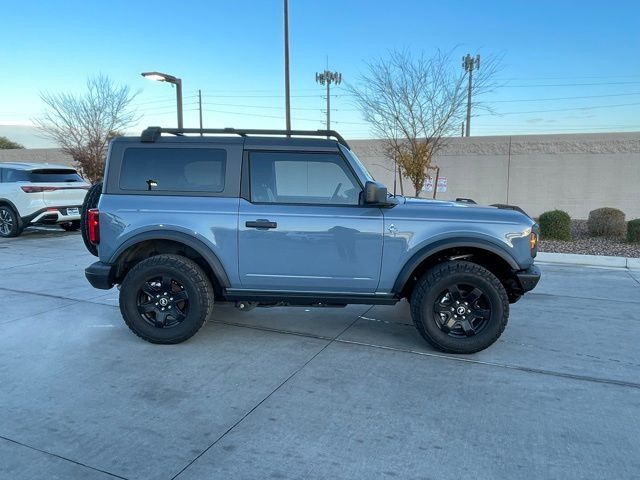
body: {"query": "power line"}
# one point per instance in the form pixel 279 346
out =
pixel 559 110
pixel 569 84
pixel 565 98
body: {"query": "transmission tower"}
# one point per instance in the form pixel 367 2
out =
pixel 327 78
pixel 470 64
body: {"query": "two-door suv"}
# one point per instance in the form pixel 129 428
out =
pixel 265 217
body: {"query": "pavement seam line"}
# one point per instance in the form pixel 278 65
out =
pixel 584 378
pixel 633 278
pixel 256 406
pixel 576 297
pixel 57 297
pixel 61 457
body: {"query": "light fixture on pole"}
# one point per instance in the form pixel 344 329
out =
pixel 163 77
pixel 470 64
pixel 327 78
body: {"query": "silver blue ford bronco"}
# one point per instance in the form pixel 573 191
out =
pixel 189 217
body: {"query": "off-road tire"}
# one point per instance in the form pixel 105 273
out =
pixel 182 270
pixel 90 201
pixel 8 214
pixel 71 226
pixel 425 298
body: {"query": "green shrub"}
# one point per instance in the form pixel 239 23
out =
pixel 606 222
pixel 556 225
pixel 633 231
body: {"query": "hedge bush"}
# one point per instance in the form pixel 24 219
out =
pixel 606 222
pixel 633 231
pixel 555 225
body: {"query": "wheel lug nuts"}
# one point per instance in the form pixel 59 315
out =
pixel 156 303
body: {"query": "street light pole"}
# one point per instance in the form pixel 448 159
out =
pixel 287 97
pixel 179 101
pixel 163 77
pixel 470 64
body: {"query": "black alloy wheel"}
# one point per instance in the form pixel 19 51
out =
pixel 163 302
pixel 462 310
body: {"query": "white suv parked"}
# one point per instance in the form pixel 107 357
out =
pixel 39 193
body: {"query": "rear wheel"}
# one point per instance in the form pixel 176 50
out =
pixel 90 201
pixel 166 299
pixel 71 226
pixel 460 307
pixel 9 222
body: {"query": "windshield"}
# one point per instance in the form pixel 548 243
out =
pixel 362 170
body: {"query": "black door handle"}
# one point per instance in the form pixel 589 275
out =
pixel 261 224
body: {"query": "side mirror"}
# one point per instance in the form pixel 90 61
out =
pixel 375 193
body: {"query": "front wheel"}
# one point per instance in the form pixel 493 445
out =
pixel 460 307
pixel 166 299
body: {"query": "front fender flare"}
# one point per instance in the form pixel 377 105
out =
pixel 445 244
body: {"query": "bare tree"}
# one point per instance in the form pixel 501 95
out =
pixel 6 144
pixel 84 124
pixel 414 103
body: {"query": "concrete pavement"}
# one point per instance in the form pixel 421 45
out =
pixel 312 393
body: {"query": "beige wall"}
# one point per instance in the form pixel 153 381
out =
pixel 573 172
pixel 44 155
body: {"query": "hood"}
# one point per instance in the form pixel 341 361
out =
pixel 447 209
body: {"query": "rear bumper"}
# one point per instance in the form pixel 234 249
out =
pixel 100 275
pixel 52 215
pixel 528 278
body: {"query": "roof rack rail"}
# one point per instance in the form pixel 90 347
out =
pixel 151 134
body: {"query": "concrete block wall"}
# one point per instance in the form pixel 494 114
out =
pixel 572 172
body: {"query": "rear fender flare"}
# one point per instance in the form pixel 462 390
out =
pixel 198 245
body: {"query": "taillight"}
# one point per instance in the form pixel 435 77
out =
pixel 93 218
pixel 31 189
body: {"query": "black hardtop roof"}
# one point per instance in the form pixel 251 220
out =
pixel 247 136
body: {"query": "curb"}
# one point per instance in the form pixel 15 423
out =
pixel 588 260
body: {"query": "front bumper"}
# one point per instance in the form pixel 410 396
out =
pixel 100 275
pixel 528 278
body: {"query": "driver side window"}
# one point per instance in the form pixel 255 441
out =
pixel 302 178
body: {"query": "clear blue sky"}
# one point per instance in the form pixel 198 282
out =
pixel 233 52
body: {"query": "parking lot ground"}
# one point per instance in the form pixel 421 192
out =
pixel 312 393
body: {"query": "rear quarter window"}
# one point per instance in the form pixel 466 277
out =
pixel 173 169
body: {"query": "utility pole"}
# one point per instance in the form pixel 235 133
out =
pixel 287 99
pixel 200 108
pixel 470 64
pixel 327 78
pixel 462 134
